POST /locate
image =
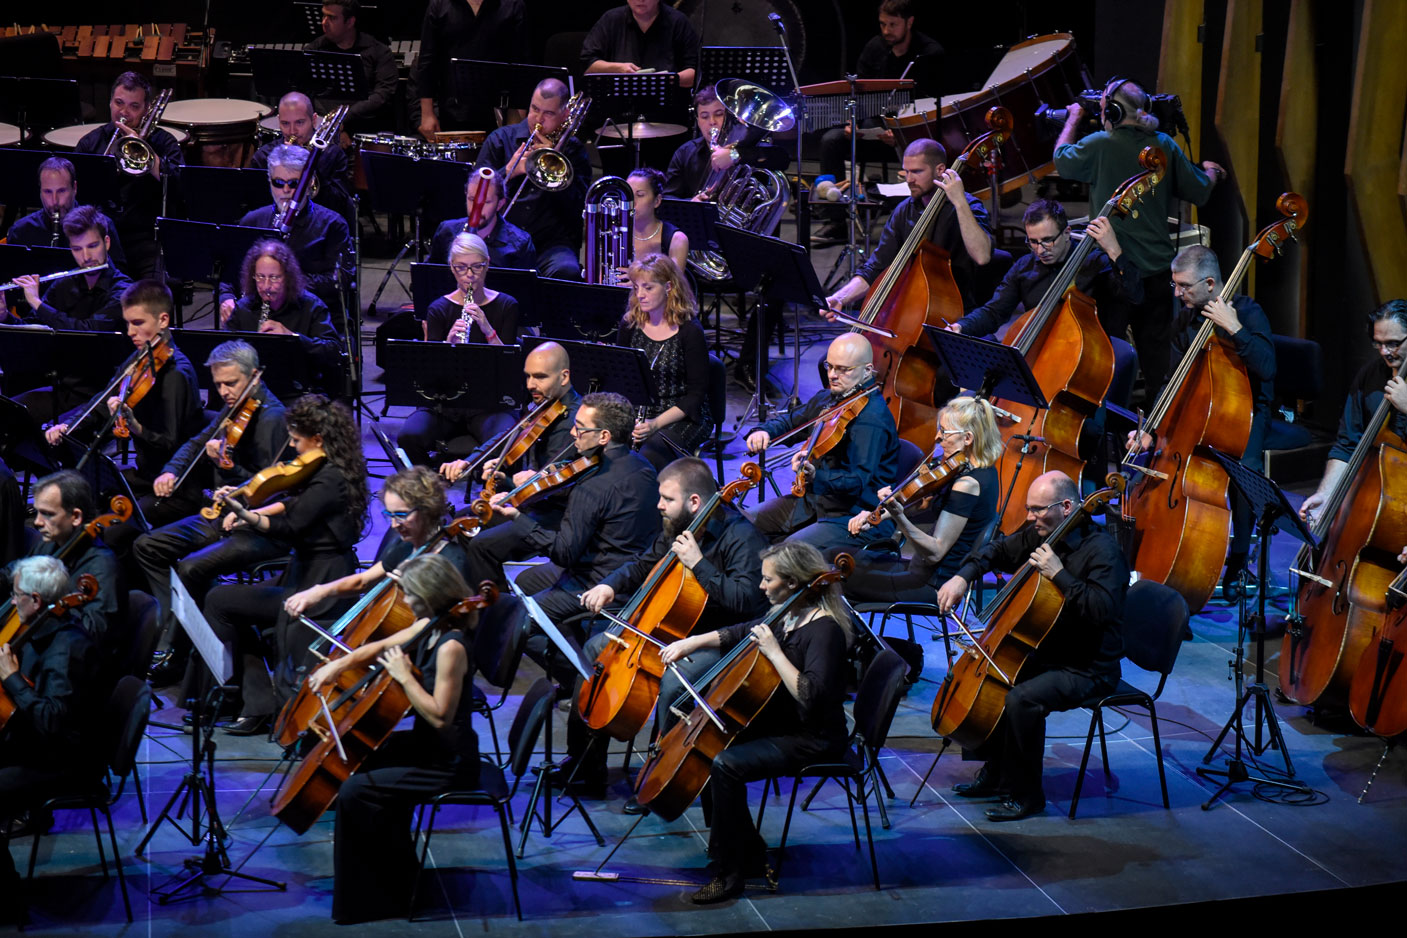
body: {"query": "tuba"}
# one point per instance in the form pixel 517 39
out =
pixel 134 154
pixel 610 223
pixel 751 199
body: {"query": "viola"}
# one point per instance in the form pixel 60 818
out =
pixel 621 693
pixel 119 510
pixel 139 379
pixel 268 483
pixel 87 592
pixel 547 479
pixel 972 697
pixel 828 432
pixel 520 439
pixel 737 689
pixel 366 715
pixel 1071 358
pixel 1377 694
pixel 1178 508
pixel 929 477
pixel 916 290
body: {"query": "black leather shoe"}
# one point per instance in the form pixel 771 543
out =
pixel 719 889
pixel 248 726
pixel 982 786
pixel 633 807
pixel 1012 810
pixel 167 668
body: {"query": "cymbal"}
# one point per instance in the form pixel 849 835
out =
pixel 643 130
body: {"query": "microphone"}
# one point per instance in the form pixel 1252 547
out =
pixel 1029 442
pixel 777 22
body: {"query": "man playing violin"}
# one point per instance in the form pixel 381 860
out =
pixel 849 475
pixel 1078 659
pixel 297 122
pixel 51 681
pixel 166 414
pixel 509 245
pixel 723 558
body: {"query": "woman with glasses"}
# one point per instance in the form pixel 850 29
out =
pixel 967 426
pixel 276 301
pixel 474 314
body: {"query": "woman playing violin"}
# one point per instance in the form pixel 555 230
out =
pixel 968 428
pixel 373 854
pixel 803 723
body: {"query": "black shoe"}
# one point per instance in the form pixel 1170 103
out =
pixel 718 889
pixel 1013 810
pixel 831 233
pixel 984 785
pixel 167 668
pixel 248 726
pixel 633 807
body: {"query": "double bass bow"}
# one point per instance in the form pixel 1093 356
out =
pixel 736 691
pixel 1071 358
pixel 623 689
pixel 1178 509
pixel 87 592
pixel 918 289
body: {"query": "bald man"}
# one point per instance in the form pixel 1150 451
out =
pixel 297 121
pixel 844 480
pixel 1078 659
pixel 548 372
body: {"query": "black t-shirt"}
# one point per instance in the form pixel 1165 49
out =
pixel 670 45
pixel 501 311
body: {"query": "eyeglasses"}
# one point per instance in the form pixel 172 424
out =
pixel 841 370
pixel 578 431
pixel 396 515
pixel 1390 345
pixel 1043 242
pixel 1042 509
pixel 462 269
pixel 268 278
pixel 282 183
pixel 942 432
pixel 1183 286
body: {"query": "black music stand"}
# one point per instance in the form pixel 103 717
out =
pixel 221 194
pixel 422 189
pixel 19 176
pixel 590 311
pixel 34 103
pixel 1270 508
pixel 287 368
pixel 339 75
pixel 764 65
pixel 622 99
pixel 22 440
pixel 699 222
pixel 468 376
pixel 203 252
pixel 103 476
pixel 34 351
pixel 510 83
pixel 16 260
pixel 597 367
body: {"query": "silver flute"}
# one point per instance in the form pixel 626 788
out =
pixel 59 276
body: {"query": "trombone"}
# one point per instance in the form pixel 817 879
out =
pixel 547 167
pixel 134 154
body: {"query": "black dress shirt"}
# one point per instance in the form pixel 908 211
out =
pixel 95 558
pixel 382 74
pixel 945 233
pixel 670 45
pixel 304 315
pixel 315 519
pixel 501 312
pixel 1364 396
pixel 452 30
pixel 817 649
pixel 878 61
pixel 689 166
pixel 1027 281
pixel 509 245
pixel 318 240
pixel 330 168
pixel 138 201
pixel 70 304
pixel 729 572
pixel 1087 636
pixel 33 230
pixel 55 697
pixel 259 447
pixel 552 218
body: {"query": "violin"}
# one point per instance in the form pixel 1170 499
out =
pixel 621 693
pixel 828 432
pixel 521 438
pixel 1377 695
pixel 930 477
pixel 230 429
pixel 139 379
pixel 365 714
pixel 87 592
pixel 736 689
pixel 972 697
pixel 120 510
pixel 381 612
pixel 547 479
pixel 265 484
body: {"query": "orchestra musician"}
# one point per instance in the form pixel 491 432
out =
pixel 967 426
pixel 1196 282
pixel 482 30
pixel 1375 380
pixel 52 737
pixel 547 370
pixel 552 218
pixel 846 478
pixel 320 520
pixel 652 234
pixel 691 164
pixel 86 302
pixel 1077 660
pixel 139 198
pixel 319 237
pixel 440 752
pixel 642 36
pixel 962 227
pixel 1107 275
pixel 724 559
pixel 58 195
pixel 168 414
pixel 272 277
pixel 803 723
pixel 341 33
pixel 509 245
pixel 297 122
pixel 661 320
pixel 475 314
pixel 1104 160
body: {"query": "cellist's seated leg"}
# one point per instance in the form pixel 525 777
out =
pixel 672 690
pixel 1023 725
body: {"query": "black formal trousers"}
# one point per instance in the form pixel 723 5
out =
pixel 888 581
pixel 427 432
pixel 515 539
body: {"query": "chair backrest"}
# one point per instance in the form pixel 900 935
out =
pixel 128 710
pixel 527 723
pixel 909 457
pixel 143 633
pixel 1125 371
pixel 1154 619
pixel 1299 369
pixel 878 696
pixel 498 641
pixel 717 389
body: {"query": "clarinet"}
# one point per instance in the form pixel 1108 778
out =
pixel 55 228
pixel 263 312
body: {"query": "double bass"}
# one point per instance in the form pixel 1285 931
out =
pixel 1071 358
pixel 1377 695
pixel 1178 509
pixel 918 289
pixel 736 690
pixel 623 689
pixel 1342 600
pixel 972 697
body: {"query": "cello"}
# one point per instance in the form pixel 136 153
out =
pixel 1178 509
pixel 87 592
pixel 918 289
pixel 369 711
pixel 1377 695
pixel 1343 590
pixel 1071 358
pixel 621 693
pixel 972 697
pixel 736 689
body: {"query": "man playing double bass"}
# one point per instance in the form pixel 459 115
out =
pixel 1079 656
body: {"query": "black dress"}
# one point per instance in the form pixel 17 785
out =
pixel 680 367
pixel 374 806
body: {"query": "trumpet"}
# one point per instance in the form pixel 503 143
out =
pixel 134 154
pixel 610 223
pixel 547 167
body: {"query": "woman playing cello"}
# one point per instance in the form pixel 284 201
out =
pixel 803 725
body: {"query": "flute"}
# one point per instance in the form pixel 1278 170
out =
pixel 13 284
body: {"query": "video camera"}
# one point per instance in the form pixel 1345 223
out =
pixel 1166 107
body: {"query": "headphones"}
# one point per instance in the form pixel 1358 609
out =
pixel 1114 111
